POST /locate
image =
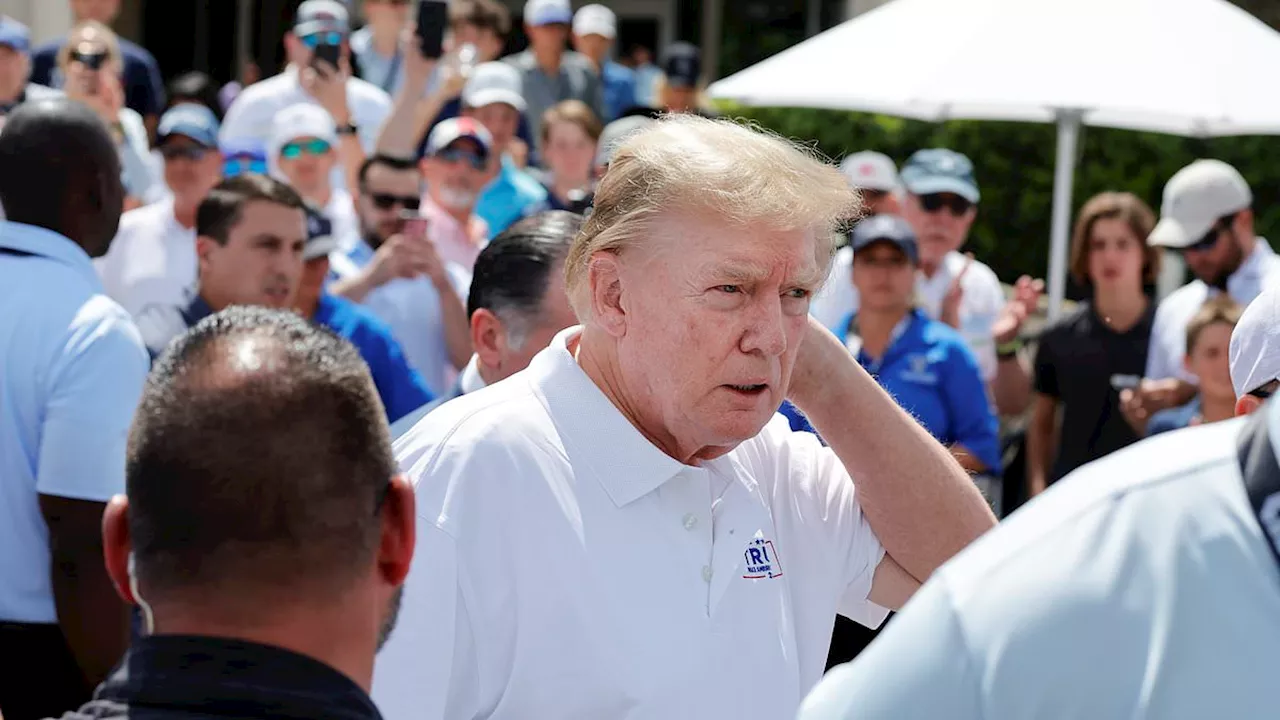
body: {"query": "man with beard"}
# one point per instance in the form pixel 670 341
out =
pixel 268 572
pixel 1205 215
pixel 408 272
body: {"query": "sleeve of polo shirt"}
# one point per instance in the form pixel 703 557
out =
pixel 93 392
pixel 855 551
pixel 919 668
pixel 405 389
pixel 974 424
pixel 1046 371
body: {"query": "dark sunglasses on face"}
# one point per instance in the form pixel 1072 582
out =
pixel 386 201
pixel 294 150
pixel 453 155
pixel 91 60
pixel 1210 238
pixel 234 166
pixel 322 38
pixel 934 202
pixel 190 152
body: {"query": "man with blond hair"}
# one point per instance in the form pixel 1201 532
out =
pixel 624 528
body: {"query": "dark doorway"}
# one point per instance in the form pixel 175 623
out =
pixel 204 35
pixel 637 31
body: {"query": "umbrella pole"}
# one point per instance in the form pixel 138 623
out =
pixel 1063 172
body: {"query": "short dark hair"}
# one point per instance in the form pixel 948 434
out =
pixel 195 87
pixel 395 163
pixel 222 207
pixel 483 14
pixel 512 273
pixel 245 480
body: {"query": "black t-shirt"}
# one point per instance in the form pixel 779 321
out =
pixel 1078 360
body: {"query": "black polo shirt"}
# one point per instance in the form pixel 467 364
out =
pixel 1077 361
pixel 184 676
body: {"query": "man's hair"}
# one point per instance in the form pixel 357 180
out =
pixel 257 462
pixel 513 272
pixel 110 43
pixel 1130 210
pixel 395 163
pixel 195 87
pixel 1220 309
pixel 223 206
pixel 743 176
pixel 574 112
pixel 483 14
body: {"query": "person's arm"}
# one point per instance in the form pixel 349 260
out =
pixel 452 284
pixel 95 389
pixel 906 480
pixel 1011 387
pixel 975 430
pixel 328 85
pixel 411 113
pixel 401 387
pixel 1042 431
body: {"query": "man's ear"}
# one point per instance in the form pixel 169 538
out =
pixel 1247 404
pixel 488 337
pixel 399 531
pixel 604 273
pixel 117 545
pixel 203 246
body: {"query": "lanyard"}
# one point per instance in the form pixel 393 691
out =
pixel 853 341
pixel 1261 476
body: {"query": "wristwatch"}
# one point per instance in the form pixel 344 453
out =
pixel 348 129
pixel 1006 350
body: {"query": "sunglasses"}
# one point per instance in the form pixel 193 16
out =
pixel 386 201
pixel 933 202
pixel 240 165
pixel 322 38
pixel 453 155
pixel 1210 238
pixel 1264 392
pixel 294 150
pixel 91 60
pixel 190 152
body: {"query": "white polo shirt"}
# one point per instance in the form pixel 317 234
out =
pixel 341 211
pixel 151 269
pixel 980 305
pixel 567 568
pixel 1260 271
pixel 1139 586
pixel 250 117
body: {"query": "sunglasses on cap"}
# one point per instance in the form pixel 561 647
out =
pixel 1210 238
pixel 181 152
pixel 386 201
pixel 453 155
pixel 322 38
pixel 933 202
pixel 294 150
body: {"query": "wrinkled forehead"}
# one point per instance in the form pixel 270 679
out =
pixel 704 243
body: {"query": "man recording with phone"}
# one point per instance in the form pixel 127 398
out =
pixel 319 72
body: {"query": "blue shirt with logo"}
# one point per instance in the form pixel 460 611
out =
pixel 934 376
pixel 512 195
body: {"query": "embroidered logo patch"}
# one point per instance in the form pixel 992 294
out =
pixel 761 560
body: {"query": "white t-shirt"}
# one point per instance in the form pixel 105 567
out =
pixel 568 568
pixel 250 117
pixel 151 269
pixel 1139 586
pixel 980 305
pixel 1260 271
pixel 341 211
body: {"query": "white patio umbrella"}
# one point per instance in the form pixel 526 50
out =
pixel 1185 67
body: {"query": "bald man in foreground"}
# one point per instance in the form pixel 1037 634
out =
pixel 72 366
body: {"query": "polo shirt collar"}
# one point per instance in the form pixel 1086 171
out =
pixel 46 243
pixel 218 676
pixel 626 464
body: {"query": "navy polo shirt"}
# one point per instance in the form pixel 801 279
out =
pixel 934 376
pixel 143 86
pixel 401 387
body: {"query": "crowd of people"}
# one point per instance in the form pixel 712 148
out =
pixel 479 386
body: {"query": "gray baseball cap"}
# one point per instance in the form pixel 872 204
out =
pixel 1195 198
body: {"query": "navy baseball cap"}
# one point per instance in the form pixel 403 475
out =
pixel 15 35
pixel 189 120
pixel 320 239
pixel 682 64
pixel 939 170
pixel 885 228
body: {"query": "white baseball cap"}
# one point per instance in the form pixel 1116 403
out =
pixel 595 20
pixel 547 12
pixel 1254 353
pixel 1195 198
pixel 447 132
pixel 871 170
pixel 299 121
pixel 494 82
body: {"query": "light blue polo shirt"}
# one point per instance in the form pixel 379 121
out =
pixel 1139 586
pixel 512 195
pixel 72 366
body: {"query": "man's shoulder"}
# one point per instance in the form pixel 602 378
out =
pixel 615 72
pixel 938 334
pixel 267 89
pixel 526 185
pixel 366 92
pixel 48 51
pixel 1178 306
pixel 134 52
pixel 522 60
pixel 354 322
pixel 1072 324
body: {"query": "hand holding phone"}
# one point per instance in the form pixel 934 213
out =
pixel 330 54
pixel 433 20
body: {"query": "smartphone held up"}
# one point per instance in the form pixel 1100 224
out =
pixel 433 21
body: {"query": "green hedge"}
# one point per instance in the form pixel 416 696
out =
pixel 1014 163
